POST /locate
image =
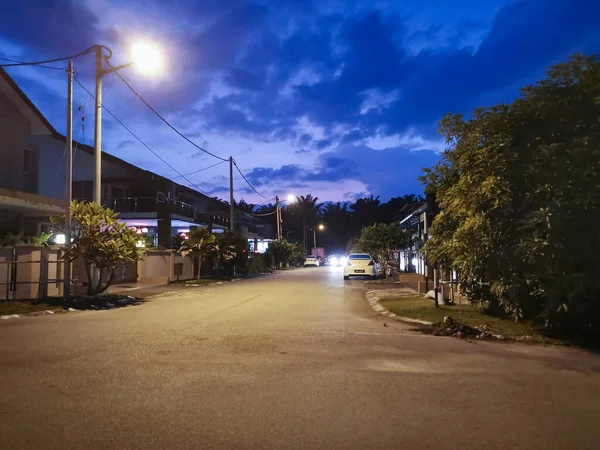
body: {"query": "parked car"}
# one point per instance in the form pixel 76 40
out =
pixel 311 260
pixel 360 264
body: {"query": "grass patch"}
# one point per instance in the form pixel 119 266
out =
pixel 424 309
pixel 24 306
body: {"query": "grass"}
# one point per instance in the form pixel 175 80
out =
pixel 24 306
pixel 424 309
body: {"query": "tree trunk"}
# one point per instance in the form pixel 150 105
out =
pixel 108 283
pixel 90 278
pixel 199 264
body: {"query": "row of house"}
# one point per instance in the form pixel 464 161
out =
pixel 33 183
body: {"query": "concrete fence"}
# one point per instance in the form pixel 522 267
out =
pixel 34 271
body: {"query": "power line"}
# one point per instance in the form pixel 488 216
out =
pixel 21 63
pixel 200 170
pixel 165 120
pixel 246 179
pixel 48 61
pixel 142 142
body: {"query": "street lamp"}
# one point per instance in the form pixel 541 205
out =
pixel 147 59
pixel 321 227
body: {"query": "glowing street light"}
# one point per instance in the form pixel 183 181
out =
pixel 321 227
pixel 146 58
pixel 291 198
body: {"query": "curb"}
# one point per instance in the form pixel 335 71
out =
pixel 30 314
pixel 373 300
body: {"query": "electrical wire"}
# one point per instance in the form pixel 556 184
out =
pixel 143 143
pixel 21 63
pixel 200 170
pixel 48 61
pixel 165 120
pixel 246 179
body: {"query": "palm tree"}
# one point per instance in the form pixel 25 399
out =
pixel 244 207
pixel 200 242
pixel 365 211
pixel 338 218
pixel 307 208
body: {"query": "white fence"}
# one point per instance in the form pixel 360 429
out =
pixel 35 272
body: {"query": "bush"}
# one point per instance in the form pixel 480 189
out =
pixel 256 265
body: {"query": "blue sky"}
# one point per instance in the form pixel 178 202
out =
pixel 335 98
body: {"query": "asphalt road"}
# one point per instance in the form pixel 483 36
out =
pixel 295 360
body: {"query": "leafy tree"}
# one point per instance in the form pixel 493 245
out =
pixel 281 251
pixel 200 243
pixel 520 206
pixel 296 254
pixel 232 251
pixel 380 240
pixel 101 241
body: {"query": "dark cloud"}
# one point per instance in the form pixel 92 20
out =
pixel 48 27
pixel 124 144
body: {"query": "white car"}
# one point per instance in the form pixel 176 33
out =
pixel 311 260
pixel 360 264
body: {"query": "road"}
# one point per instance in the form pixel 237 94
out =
pixel 295 360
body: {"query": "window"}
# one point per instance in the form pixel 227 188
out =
pixel 30 171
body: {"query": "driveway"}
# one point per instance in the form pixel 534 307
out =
pixel 296 360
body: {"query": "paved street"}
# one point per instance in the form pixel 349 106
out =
pixel 293 360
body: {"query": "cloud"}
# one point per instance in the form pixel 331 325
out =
pixel 331 94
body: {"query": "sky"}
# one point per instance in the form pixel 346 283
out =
pixel 338 99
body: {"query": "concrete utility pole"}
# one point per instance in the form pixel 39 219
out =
pixel 98 129
pixel 69 183
pixel 231 211
pixel 278 215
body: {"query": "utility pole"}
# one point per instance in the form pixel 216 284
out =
pixel 69 183
pixel 231 211
pixel 278 215
pixel 98 129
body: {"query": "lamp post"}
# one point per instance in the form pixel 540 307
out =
pixel 321 227
pixel 144 57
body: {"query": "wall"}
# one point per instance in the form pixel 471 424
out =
pixel 14 133
pixel 155 268
pixel 52 181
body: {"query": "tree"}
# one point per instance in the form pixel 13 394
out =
pixel 243 206
pixel 101 241
pixel 200 242
pixel 519 201
pixel 307 209
pixel 365 211
pixel 232 251
pixel 281 251
pixel 338 219
pixel 381 240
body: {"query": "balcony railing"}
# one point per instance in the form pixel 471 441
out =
pixel 149 204
pixel 134 204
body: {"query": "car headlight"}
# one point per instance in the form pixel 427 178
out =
pixel 334 261
pixel 342 261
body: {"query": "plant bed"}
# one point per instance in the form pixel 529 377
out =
pixel 462 321
pixel 25 307
pixel 94 302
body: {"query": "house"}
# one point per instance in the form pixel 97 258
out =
pixel 25 206
pixel 157 207
pixel 414 218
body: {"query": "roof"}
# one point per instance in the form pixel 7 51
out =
pixel 28 103
pixel 409 214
